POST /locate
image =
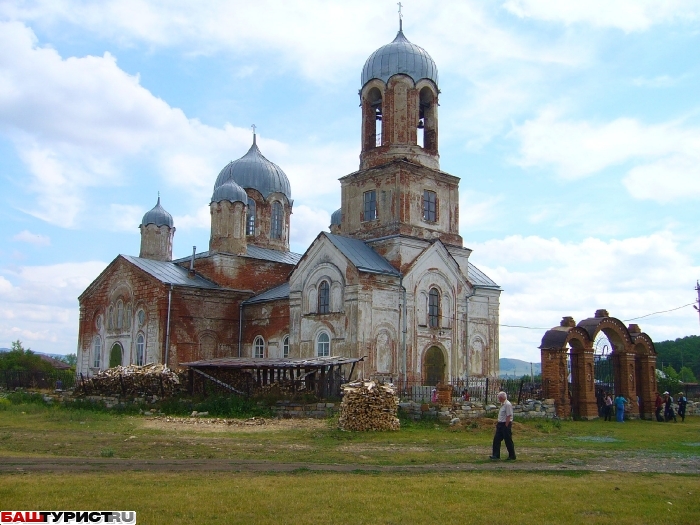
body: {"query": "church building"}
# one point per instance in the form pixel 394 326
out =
pixel 391 281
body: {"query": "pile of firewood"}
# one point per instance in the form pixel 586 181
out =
pixel 367 405
pixel 133 380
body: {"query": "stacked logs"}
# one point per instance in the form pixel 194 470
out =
pixel 367 405
pixel 133 380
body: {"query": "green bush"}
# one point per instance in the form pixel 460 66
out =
pixel 220 406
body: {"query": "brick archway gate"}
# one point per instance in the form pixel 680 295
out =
pixel 633 358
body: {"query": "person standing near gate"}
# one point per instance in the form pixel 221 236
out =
pixel 608 406
pixel 504 429
pixel 659 403
pixel 669 414
pixel 620 403
pixel 682 402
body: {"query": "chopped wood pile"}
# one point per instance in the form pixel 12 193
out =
pixel 367 405
pixel 133 380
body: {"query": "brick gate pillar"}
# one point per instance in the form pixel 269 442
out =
pixel 646 385
pixel 554 379
pixel 627 384
pixel 585 378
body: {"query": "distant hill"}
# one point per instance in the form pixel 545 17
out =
pixel 5 349
pixel 517 368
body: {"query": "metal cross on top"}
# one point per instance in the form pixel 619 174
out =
pixel 253 127
pixel 400 15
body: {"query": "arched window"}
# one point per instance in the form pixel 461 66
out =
pixel 276 230
pixel 285 346
pixel 259 347
pixel 129 315
pixel 141 315
pixel 434 308
pixel 97 352
pixel 140 349
pixel 323 345
pixel 250 218
pixel 324 297
pixel 375 100
pixel 120 314
pixel 110 317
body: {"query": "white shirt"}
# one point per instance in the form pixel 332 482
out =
pixel 505 411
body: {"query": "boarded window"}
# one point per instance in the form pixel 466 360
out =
pixel 324 293
pixel 434 308
pixel 370 208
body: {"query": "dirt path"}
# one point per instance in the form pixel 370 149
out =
pixel 63 464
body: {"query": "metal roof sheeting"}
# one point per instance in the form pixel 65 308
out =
pixel 362 256
pixel 254 171
pixel 157 216
pixel 255 252
pixel 479 278
pixel 230 191
pixel 170 273
pixel 400 56
pixel 278 292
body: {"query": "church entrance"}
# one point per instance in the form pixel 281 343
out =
pixel 434 366
pixel 115 355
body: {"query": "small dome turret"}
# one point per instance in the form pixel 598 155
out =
pixel 400 57
pixel 254 171
pixel 229 191
pixel 337 217
pixel 157 216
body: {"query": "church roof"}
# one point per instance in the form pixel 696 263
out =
pixel 400 56
pixel 278 292
pixel 362 256
pixel 479 278
pixel 254 171
pixel 157 216
pixel 255 252
pixel 170 273
pixel 230 191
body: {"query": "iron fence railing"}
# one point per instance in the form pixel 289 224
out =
pixel 475 389
pixel 11 379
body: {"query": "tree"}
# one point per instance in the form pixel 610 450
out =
pixel 69 359
pixel 20 359
pixel 686 375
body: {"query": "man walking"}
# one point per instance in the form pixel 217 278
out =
pixel 620 403
pixel 659 403
pixel 682 402
pixel 504 429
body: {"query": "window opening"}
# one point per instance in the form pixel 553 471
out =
pixel 370 208
pixel 250 218
pixel 285 347
pixel 96 352
pixel 324 295
pixel 434 308
pixel 276 232
pixel 323 345
pixel 120 315
pixel 259 346
pixel 140 349
pixel 429 206
pixel 141 315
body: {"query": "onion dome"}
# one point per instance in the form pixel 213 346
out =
pixel 336 217
pixel 254 171
pixel 230 191
pixel 157 216
pixel 400 57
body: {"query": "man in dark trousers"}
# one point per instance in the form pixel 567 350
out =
pixel 682 402
pixel 504 429
pixel 659 403
pixel 669 413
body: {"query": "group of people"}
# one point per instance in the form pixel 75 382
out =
pixel 666 404
pixel 608 402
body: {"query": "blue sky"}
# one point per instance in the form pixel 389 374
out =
pixel 574 127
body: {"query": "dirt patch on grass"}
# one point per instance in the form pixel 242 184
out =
pixel 362 447
pixel 252 425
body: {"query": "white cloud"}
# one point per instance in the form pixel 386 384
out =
pixel 32 238
pixel 476 210
pixel 546 279
pixel 201 219
pixel 306 225
pixel 575 149
pixel 661 81
pixel 39 304
pixel 626 15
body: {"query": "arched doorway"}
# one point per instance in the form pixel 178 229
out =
pixel 434 366
pixel 115 355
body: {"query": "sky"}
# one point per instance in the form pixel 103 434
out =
pixel 573 126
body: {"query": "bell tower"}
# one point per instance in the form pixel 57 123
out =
pixel 399 189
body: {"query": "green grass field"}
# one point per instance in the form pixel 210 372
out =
pixel 481 496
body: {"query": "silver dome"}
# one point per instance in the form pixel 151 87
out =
pixel 254 171
pixel 401 56
pixel 230 191
pixel 157 216
pixel 336 217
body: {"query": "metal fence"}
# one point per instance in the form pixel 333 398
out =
pixel 478 389
pixel 11 379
